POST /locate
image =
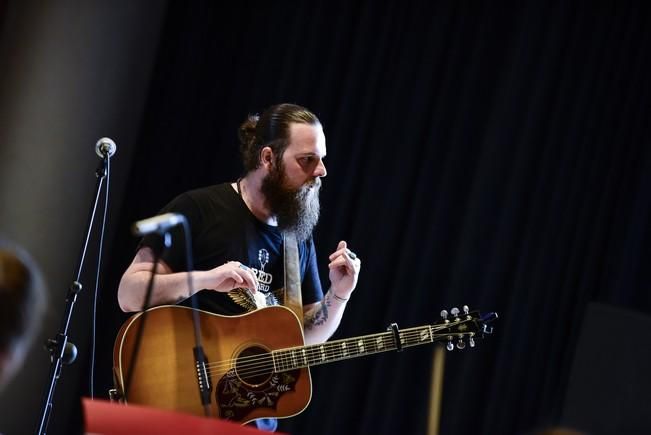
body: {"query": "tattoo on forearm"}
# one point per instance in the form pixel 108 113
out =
pixel 318 316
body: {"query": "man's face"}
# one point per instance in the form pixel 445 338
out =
pixel 292 185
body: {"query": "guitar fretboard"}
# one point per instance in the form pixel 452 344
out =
pixel 305 356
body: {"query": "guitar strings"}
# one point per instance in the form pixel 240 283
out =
pixel 283 360
pixel 324 351
pixel 287 359
pixel 330 347
pixel 263 364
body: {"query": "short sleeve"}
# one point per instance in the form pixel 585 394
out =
pixel 175 255
pixel 311 286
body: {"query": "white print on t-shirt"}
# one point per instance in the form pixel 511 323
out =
pixel 264 278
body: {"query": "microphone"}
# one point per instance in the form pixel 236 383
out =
pixel 105 147
pixel 157 224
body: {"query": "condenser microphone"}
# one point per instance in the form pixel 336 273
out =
pixel 157 224
pixel 105 147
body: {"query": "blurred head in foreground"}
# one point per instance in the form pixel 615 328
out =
pixel 22 301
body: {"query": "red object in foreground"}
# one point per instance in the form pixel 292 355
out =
pixel 103 417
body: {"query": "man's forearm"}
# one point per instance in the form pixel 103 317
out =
pixel 168 289
pixel 323 319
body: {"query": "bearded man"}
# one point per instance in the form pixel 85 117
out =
pixel 239 228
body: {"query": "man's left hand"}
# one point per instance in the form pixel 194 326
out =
pixel 344 270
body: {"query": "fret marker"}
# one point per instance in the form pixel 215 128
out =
pixel 380 343
pixel 360 344
pixel 323 354
pixel 424 335
pixel 304 356
pixel 343 347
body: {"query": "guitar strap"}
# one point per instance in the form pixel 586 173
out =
pixel 292 299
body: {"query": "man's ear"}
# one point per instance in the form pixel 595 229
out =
pixel 266 157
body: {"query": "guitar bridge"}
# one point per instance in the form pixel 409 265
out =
pixel 202 375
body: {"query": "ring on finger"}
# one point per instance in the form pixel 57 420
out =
pixel 351 254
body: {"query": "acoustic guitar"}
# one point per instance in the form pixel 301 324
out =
pixel 253 365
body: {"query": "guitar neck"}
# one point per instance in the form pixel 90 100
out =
pixel 337 350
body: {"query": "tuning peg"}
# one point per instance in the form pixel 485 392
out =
pixel 466 310
pixel 487 329
pixel 461 344
pixel 450 345
pixel 455 312
pixel 471 341
pixel 444 315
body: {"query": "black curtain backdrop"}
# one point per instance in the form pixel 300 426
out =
pixel 478 154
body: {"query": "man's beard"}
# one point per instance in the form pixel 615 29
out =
pixel 296 210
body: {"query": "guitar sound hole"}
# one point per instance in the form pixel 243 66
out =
pixel 254 365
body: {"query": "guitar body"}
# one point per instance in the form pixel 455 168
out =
pixel 165 373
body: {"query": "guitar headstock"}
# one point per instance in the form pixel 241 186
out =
pixel 457 327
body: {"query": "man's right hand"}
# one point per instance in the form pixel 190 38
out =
pixel 230 276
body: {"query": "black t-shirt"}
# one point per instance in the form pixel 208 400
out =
pixel 224 229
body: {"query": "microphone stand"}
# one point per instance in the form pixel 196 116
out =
pixel 199 355
pixel 61 350
pixel 198 352
pixel 158 254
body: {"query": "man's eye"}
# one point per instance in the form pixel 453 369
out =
pixel 306 160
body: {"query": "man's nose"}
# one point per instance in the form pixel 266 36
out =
pixel 320 170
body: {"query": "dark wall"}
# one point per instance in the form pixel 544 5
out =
pixel 70 73
pixel 496 157
pixel 477 154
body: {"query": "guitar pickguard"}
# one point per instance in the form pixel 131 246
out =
pixel 236 398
